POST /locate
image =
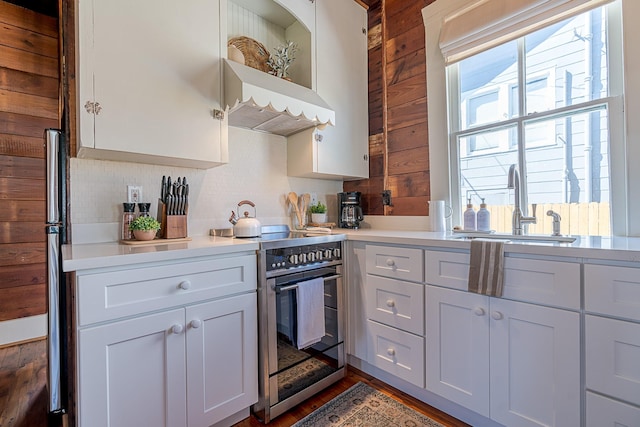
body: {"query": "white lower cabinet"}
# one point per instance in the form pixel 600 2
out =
pixel 167 344
pixel 612 345
pixel 516 363
pixel 190 366
pixel 394 311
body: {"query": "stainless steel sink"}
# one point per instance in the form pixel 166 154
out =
pixel 513 238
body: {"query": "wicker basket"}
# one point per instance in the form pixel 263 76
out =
pixel 255 54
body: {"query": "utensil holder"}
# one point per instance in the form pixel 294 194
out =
pixel 172 226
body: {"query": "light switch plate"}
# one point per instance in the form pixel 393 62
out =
pixel 134 193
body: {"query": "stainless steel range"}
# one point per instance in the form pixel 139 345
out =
pixel 291 369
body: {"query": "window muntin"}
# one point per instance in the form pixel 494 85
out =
pixel 562 143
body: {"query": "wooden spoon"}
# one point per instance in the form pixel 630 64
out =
pixel 306 200
pixel 293 200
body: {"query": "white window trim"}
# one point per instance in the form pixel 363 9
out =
pixel 624 133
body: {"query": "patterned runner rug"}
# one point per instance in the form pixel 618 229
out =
pixel 363 406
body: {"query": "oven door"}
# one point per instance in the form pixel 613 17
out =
pixel 292 370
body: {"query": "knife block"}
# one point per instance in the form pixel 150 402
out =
pixel 171 226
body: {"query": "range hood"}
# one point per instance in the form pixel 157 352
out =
pixel 263 102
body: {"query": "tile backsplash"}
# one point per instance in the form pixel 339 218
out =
pixel 256 171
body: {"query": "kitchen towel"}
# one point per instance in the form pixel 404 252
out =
pixel 486 267
pixel 310 312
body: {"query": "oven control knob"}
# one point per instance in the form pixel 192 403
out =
pixel 293 259
pixel 327 254
pixel 336 253
pixel 274 265
pixel 302 258
pixel 311 256
pixel 319 255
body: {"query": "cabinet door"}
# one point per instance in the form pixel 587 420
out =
pixel 341 63
pixel 154 68
pixel 132 373
pixel 222 358
pixel 535 365
pixel 457 341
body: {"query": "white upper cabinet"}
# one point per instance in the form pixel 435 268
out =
pixel 149 86
pixel 340 151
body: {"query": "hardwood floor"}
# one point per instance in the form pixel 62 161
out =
pixel 23 399
pixel 23 378
pixel 353 376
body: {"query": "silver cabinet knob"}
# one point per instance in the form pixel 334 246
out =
pixel 497 315
pixel 177 329
pixel 185 285
pixel 390 262
pixel 478 311
pixel 391 352
pixel 195 323
pixel 391 303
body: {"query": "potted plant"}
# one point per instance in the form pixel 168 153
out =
pixel 144 227
pixel 281 60
pixel 318 213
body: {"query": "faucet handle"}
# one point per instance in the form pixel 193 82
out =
pixel 533 208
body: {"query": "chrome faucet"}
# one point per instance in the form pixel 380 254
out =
pixel 518 218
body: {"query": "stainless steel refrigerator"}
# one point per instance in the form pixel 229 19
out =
pixel 56 295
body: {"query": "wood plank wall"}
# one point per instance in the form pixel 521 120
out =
pixel 29 88
pixel 398 140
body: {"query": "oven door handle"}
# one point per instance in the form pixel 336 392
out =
pixel 291 287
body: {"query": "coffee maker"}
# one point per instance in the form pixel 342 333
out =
pixel 349 210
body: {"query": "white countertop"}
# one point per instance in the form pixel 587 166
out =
pixel 101 255
pixel 606 248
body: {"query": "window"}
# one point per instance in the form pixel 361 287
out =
pixel 555 127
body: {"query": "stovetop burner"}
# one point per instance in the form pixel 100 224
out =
pixel 281 236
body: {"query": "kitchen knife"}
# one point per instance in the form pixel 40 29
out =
pixel 163 188
pixel 167 192
pixel 185 196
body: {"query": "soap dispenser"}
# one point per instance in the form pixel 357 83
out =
pixel 484 218
pixel 469 217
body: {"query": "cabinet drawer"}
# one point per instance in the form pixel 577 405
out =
pixel 395 303
pixel 612 290
pixel 394 262
pixel 602 411
pixel 397 352
pixel 529 280
pixel 613 358
pixel 111 295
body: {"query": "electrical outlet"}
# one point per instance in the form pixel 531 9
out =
pixel 314 198
pixel 134 193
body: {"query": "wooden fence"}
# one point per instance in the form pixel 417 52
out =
pixel 592 219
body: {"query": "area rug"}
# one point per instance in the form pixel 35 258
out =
pixel 364 406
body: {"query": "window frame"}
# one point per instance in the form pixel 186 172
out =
pixel 443 154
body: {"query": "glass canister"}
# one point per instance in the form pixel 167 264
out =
pixel 128 216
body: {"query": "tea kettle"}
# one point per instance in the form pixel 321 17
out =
pixel 245 226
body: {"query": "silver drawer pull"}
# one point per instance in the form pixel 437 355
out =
pixel 390 262
pixel 391 352
pixel 391 303
pixel 185 285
